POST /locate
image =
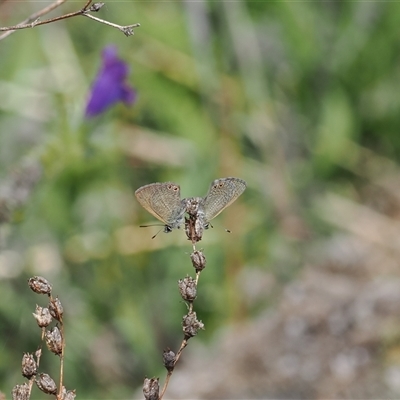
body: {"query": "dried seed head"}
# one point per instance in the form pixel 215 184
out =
pixel 187 288
pixel 195 224
pixel 29 366
pixel 169 359
pixel 198 260
pixel 67 394
pixel 40 285
pixel 21 392
pixel 96 7
pixel 54 340
pixel 194 227
pixel 42 316
pixel 46 384
pixel 56 309
pixel 191 325
pixel 151 389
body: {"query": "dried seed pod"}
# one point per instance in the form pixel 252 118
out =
pixel 194 226
pixel 67 394
pixel 54 340
pixel 56 309
pixel 40 285
pixel 29 366
pixel 151 389
pixel 191 325
pixel 96 7
pixel 169 359
pixel 198 260
pixel 187 288
pixel 42 316
pixel 21 392
pixel 46 384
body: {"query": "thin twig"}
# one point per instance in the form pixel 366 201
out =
pixel 197 277
pixel 33 20
pixel 169 374
pixel 126 30
pixel 34 17
pixel 167 378
pixel 60 389
pixel 186 338
pixel 183 345
pixel 38 354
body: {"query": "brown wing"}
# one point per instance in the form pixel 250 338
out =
pixel 222 193
pixel 163 201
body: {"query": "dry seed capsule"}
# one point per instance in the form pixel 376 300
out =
pixel 169 359
pixel 40 285
pixel 191 325
pixel 151 389
pixel 198 260
pixel 29 366
pixel 67 394
pixel 46 384
pixel 56 309
pixel 187 288
pixel 54 340
pixel 20 392
pixel 42 316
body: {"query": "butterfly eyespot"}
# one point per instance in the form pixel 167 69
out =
pixel 173 187
pixel 221 184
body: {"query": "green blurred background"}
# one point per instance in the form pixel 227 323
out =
pixel 300 99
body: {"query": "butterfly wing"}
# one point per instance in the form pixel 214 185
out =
pixel 163 201
pixel 222 193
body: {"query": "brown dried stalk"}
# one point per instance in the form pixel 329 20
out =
pixel 199 212
pixel 55 342
pixel 188 290
pixel 88 8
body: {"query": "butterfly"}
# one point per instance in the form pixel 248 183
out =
pixel 163 201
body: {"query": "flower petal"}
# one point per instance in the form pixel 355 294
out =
pixel 109 86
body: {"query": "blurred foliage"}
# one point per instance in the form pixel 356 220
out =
pixel 285 95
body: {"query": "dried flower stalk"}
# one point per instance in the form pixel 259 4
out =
pixel 85 11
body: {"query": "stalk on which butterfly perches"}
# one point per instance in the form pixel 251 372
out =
pixel 163 201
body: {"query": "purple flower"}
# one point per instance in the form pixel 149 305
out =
pixel 109 87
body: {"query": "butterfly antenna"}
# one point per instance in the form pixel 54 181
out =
pixel 156 234
pixel 147 226
pixel 228 230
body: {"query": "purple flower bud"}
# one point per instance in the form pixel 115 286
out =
pixel 109 86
